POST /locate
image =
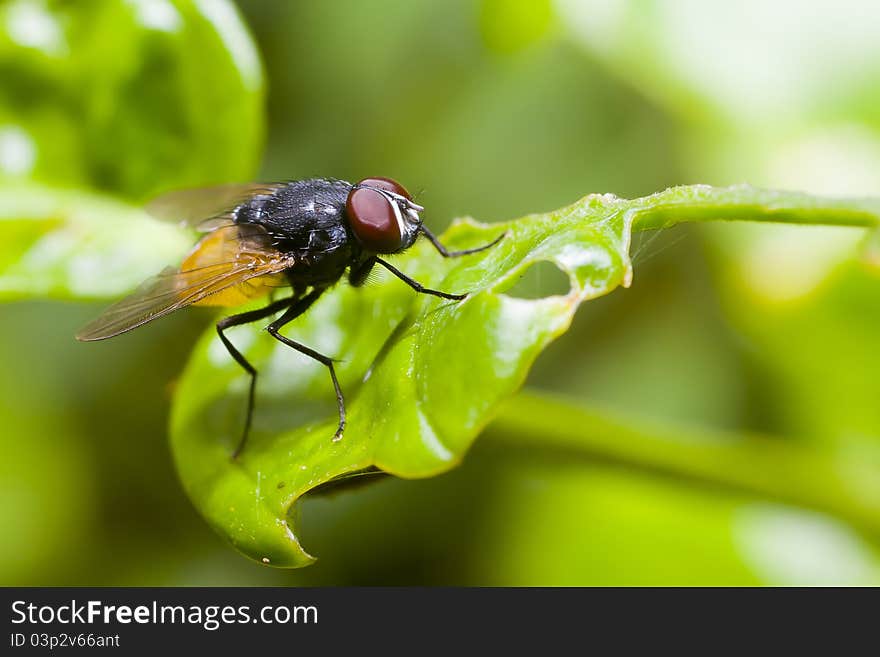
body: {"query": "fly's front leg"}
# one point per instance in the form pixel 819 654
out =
pixel 357 276
pixel 455 254
pixel 418 287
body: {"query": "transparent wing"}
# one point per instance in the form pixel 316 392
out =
pixel 197 207
pixel 229 256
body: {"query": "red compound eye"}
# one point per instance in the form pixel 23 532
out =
pixel 387 184
pixel 375 219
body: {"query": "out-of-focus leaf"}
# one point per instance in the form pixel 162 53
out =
pixel 508 26
pixel 128 97
pixel 828 480
pixel 67 244
pixel 422 376
pixel 755 116
pixel 608 488
pixel 41 465
pixel 675 50
pixel 810 309
pixel 599 522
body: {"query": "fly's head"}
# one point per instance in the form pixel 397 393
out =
pixel 382 215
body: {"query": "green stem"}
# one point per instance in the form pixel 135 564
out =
pixel 744 203
pixel 777 468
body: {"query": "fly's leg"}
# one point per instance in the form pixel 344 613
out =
pixel 292 313
pixel 455 254
pixel 237 320
pixel 418 287
pixel 357 275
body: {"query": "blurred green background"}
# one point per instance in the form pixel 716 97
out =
pixel 494 109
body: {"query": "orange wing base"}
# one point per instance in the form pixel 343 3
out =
pixel 218 247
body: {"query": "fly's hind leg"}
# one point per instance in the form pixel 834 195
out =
pixel 237 320
pixel 292 313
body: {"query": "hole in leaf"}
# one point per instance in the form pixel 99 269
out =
pixel 542 279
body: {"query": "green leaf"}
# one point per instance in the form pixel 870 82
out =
pixel 820 282
pixel 129 97
pixel 66 244
pixel 564 521
pixel 422 376
pixel 838 482
pixel 508 26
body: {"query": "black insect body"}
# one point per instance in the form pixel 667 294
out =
pixel 303 234
pixel 306 219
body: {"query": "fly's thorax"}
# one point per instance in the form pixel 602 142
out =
pixel 305 217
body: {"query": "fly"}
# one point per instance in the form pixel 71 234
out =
pixel 303 234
